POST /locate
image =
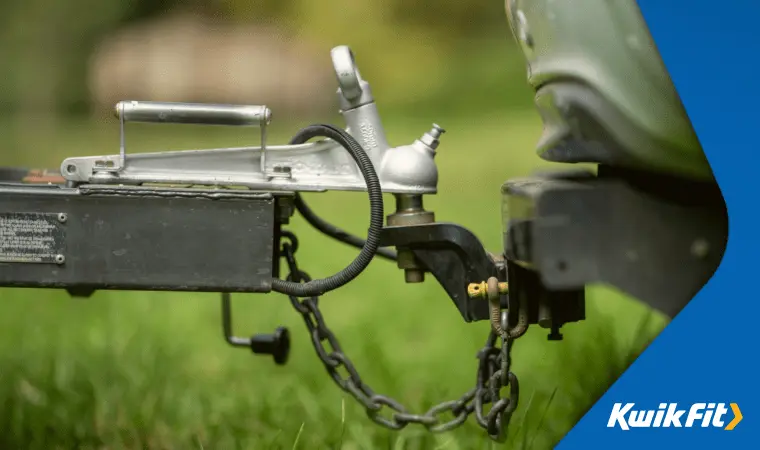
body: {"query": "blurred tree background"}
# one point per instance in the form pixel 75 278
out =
pixel 418 52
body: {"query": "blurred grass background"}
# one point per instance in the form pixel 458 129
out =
pixel 150 370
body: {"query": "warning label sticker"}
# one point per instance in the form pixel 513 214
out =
pixel 32 238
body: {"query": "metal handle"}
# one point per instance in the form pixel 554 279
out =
pixel 193 113
pixel 189 113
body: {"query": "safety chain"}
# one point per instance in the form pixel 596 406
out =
pixel 493 373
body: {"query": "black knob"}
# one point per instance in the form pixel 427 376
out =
pixel 276 344
pixel 555 335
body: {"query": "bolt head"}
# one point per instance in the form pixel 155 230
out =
pixel 414 276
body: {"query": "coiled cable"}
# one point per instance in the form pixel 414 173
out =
pixel 374 190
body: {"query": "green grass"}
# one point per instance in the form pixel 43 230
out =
pixel 150 370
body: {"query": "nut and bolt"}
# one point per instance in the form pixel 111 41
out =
pixel 286 209
pixel 410 211
pixel 432 137
pixel 413 273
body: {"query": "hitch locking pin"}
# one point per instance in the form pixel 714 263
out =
pixel 475 290
pixel 492 290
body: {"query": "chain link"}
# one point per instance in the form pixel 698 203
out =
pixel 493 373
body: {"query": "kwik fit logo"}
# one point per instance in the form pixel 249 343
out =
pixel 669 415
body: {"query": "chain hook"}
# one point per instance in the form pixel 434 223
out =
pixel 493 373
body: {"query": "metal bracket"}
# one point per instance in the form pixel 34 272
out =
pixel 136 238
pixel 656 239
pixel 453 255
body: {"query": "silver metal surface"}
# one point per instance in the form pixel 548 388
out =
pixel 193 113
pixel 353 91
pixel 186 113
pixel 318 166
pixel 313 166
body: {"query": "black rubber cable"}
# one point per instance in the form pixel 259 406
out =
pixel 336 233
pixel 369 249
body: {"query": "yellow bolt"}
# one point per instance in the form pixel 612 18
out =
pixel 475 290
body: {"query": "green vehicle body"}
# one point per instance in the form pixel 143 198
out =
pixel 601 53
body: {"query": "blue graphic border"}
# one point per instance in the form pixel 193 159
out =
pixel 707 354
